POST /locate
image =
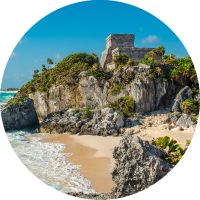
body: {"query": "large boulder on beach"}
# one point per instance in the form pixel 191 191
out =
pixel 138 165
pixel 20 116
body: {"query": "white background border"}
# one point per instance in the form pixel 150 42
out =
pixel 16 17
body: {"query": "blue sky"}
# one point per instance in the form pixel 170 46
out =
pixel 83 27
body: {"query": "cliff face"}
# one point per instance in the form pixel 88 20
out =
pixel 57 98
pixel 79 82
pixel 147 93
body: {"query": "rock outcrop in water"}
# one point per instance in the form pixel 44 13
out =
pixel 20 116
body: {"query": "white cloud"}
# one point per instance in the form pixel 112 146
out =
pixel 150 39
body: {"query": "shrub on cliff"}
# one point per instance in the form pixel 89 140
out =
pixel 86 113
pixel 98 73
pixel 157 70
pixel 17 99
pixel 120 60
pixel 184 71
pixel 154 56
pixel 173 69
pixel 65 72
pixel 189 106
pixel 174 151
pixel 131 62
pixel 125 104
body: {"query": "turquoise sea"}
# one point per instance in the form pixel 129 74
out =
pixel 46 160
pixel 5 96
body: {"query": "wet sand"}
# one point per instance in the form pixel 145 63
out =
pixel 93 154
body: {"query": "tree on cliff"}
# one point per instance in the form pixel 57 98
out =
pixel 36 73
pixel 50 62
pixel 44 69
pixel 154 56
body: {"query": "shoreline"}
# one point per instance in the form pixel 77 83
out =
pixel 93 154
pixel 14 91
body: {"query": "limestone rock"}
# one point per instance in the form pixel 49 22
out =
pixel 181 120
pixel 96 196
pixel 161 90
pixel 104 121
pixel 142 89
pixel 183 94
pixel 20 116
pixel 138 165
pixel 91 93
pixel 185 121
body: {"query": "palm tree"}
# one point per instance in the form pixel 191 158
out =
pixel 50 62
pixel 44 69
pixel 36 73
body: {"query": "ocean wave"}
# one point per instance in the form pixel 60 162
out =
pixel 48 162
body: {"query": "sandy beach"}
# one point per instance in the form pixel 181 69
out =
pixel 93 154
pixel 154 132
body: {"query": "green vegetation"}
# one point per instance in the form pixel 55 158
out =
pixel 170 68
pixel 116 88
pixel 86 113
pixel 44 69
pixel 125 104
pixel 50 62
pixel 121 80
pixel 195 118
pixel 184 71
pixel 36 73
pixel 174 151
pixel 17 99
pixel 131 62
pixel 190 106
pixel 153 56
pixel 98 73
pixel 65 72
pixel 120 60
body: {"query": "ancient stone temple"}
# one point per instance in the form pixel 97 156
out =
pixel 119 44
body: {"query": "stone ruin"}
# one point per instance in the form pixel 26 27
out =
pixel 119 44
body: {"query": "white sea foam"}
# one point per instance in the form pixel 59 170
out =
pixel 48 162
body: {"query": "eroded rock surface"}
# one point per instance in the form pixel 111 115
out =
pixel 104 121
pixel 183 94
pixel 138 165
pixel 20 116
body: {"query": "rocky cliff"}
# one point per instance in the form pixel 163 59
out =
pixel 148 93
pixel 79 82
pixel 20 116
